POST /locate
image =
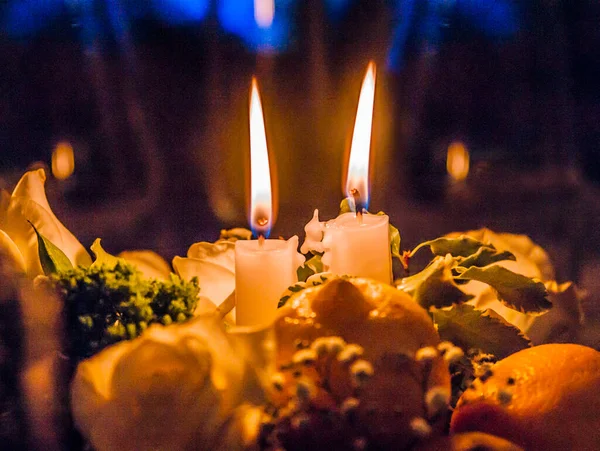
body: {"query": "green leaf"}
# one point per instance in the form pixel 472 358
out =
pixel 514 290
pixel 439 290
pixel 347 206
pixel 434 286
pixel 52 259
pixel 103 257
pixel 394 239
pixel 485 256
pixel 463 246
pixel 313 265
pixel 469 328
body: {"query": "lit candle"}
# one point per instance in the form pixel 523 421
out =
pixel 264 268
pixel 356 244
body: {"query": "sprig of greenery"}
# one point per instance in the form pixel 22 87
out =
pixel 105 304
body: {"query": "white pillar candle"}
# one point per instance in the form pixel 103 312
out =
pixel 355 245
pixel 358 247
pixel 263 271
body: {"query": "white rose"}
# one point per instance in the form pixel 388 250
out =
pixel 214 265
pixel 173 388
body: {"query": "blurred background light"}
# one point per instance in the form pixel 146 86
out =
pixel 63 160
pixel 239 17
pixel 457 161
pixel 264 11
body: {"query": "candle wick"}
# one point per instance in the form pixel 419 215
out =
pixel 357 206
pixel 261 241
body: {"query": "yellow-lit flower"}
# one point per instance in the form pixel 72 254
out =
pixel 214 265
pixel 181 387
pixel 18 241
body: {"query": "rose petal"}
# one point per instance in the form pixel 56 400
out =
pixel 149 263
pixel 4 200
pixel 221 253
pixel 31 186
pixel 11 253
pixel 20 231
pixel 216 282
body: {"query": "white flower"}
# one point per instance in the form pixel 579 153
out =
pixel 214 265
pixel 18 242
pixel 174 387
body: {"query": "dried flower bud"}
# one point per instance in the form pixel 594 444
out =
pixel 349 405
pixel 304 357
pixel 305 390
pixel 361 371
pixel 335 345
pixel 454 354
pixel 426 354
pixel 437 400
pixel 350 353
pixel 504 396
pixel 444 346
pixel 420 427
pixel 320 346
pixel 278 381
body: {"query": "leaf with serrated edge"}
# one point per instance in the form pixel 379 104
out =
pixel 469 328
pixel 312 266
pixel 486 256
pixel 514 290
pixel 439 290
pixel 52 259
pixel 463 246
pixel 347 206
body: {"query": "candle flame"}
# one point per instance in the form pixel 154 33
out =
pixel 63 160
pixel 457 161
pixel 264 11
pixel 357 182
pixel 261 208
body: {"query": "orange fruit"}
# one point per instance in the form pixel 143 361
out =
pixel 391 327
pixel 542 398
pixel 469 441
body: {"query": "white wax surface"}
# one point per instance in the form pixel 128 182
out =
pixel 262 274
pixel 359 248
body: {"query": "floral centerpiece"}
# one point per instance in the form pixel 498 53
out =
pixel 440 358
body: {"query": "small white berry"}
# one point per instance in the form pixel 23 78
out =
pixel 278 381
pixel 454 354
pixel 320 346
pixel 304 357
pixel 437 399
pixel 420 427
pixel 426 354
pixel 349 405
pixel 350 352
pixel 335 345
pixel 361 371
